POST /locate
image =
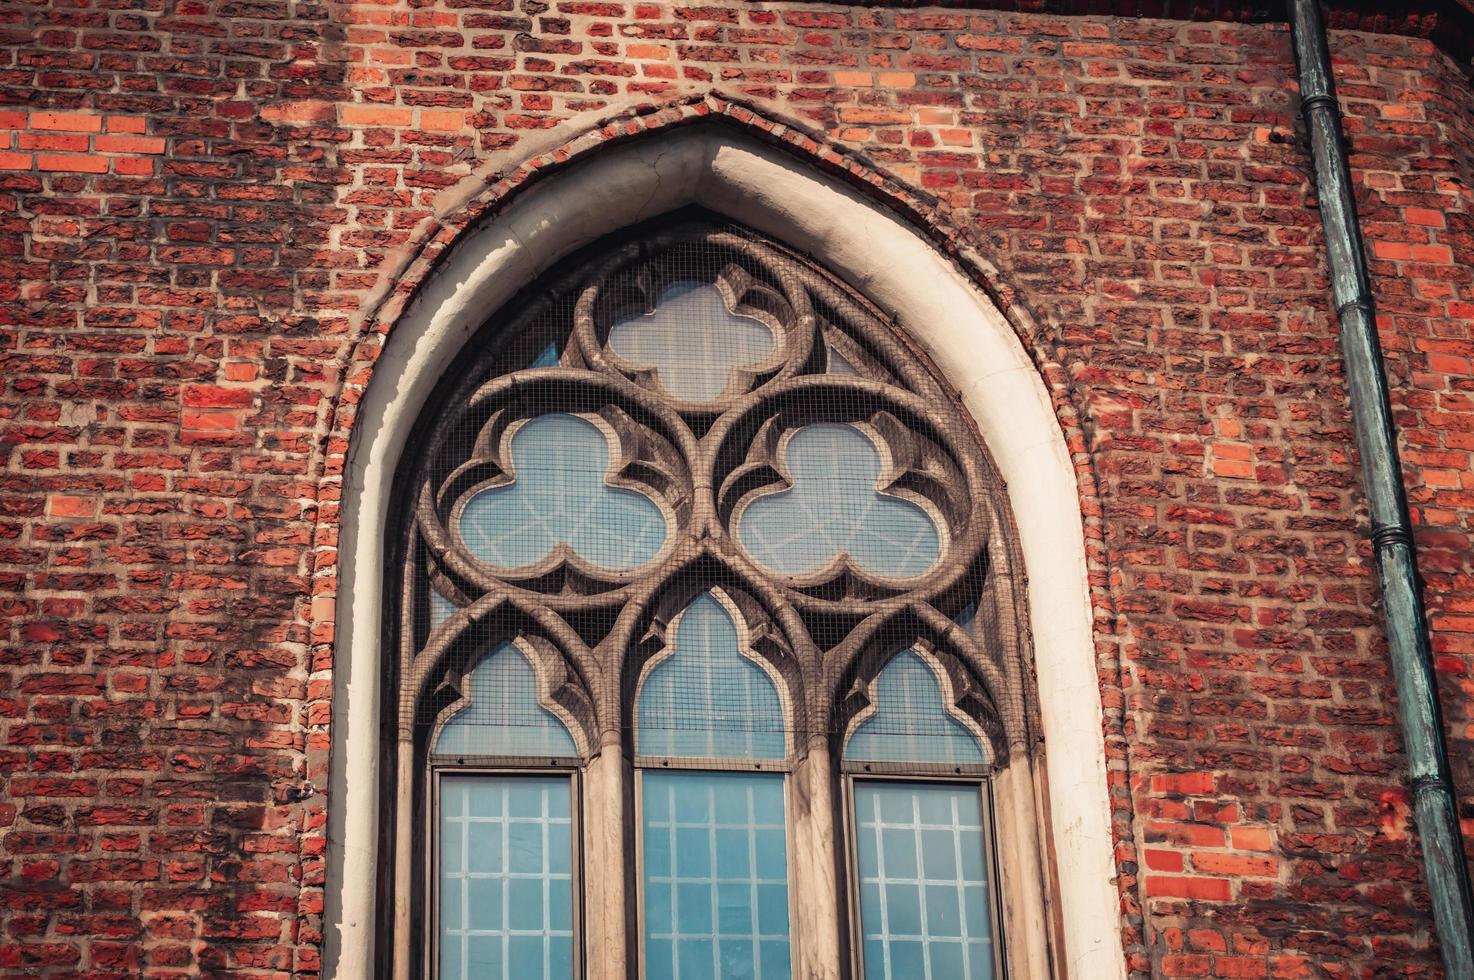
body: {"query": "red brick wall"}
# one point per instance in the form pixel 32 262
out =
pixel 212 211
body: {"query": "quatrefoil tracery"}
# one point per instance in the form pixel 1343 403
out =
pixel 752 280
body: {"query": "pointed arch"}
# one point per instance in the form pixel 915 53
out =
pixel 770 631
pixel 900 270
pixel 912 705
pixel 568 676
pixel 507 709
pixel 696 645
pixel 976 688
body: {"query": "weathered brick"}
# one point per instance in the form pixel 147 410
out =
pixel 206 208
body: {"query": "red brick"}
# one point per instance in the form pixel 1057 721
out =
pixel 129 144
pixel 72 164
pixel 70 142
pixel 65 506
pixel 364 115
pixel 1161 860
pixel 446 122
pixel 133 166
pixel 1184 783
pixel 1197 835
pixel 1204 889
pixel 1216 863
pixel 212 421
pixel 1424 216
pixel 126 124
pixel 74 122
pixel 1251 838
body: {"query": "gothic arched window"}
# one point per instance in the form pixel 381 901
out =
pixel 706 614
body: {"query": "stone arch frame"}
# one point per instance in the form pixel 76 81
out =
pixel 935 305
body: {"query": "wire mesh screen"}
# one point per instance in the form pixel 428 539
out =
pixel 695 491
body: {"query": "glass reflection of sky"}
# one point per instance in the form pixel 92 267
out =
pixel 923 881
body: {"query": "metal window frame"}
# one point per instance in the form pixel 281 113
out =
pixel 434 774
pixel 736 766
pixel 913 774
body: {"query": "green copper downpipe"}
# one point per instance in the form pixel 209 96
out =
pixel 1407 629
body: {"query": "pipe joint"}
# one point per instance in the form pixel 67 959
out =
pixel 1317 101
pixel 1391 535
pixel 1429 786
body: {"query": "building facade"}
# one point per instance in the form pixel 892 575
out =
pixel 293 289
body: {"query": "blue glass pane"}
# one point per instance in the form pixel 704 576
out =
pixel 560 496
pixel 910 723
pixel 441 609
pixel 968 619
pixel 839 364
pixel 548 358
pixel 706 700
pixel 922 888
pixel 834 507
pixel 692 340
pixel 498 922
pixel 504 717
pixel 722 910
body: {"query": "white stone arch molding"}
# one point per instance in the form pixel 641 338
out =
pixel 717 168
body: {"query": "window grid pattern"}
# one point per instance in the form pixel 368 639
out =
pixel 506 878
pixel 715 876
pixel 923 884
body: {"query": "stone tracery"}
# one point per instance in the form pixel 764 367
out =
pixel 705 462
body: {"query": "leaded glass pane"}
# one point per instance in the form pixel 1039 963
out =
pixel 707 700
pixel 715 876
pixel 923 883
pixel 835 507
pixel 910 722
pixel 506 859
pixel 505 717
pixel 692 340
pixel 561 495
